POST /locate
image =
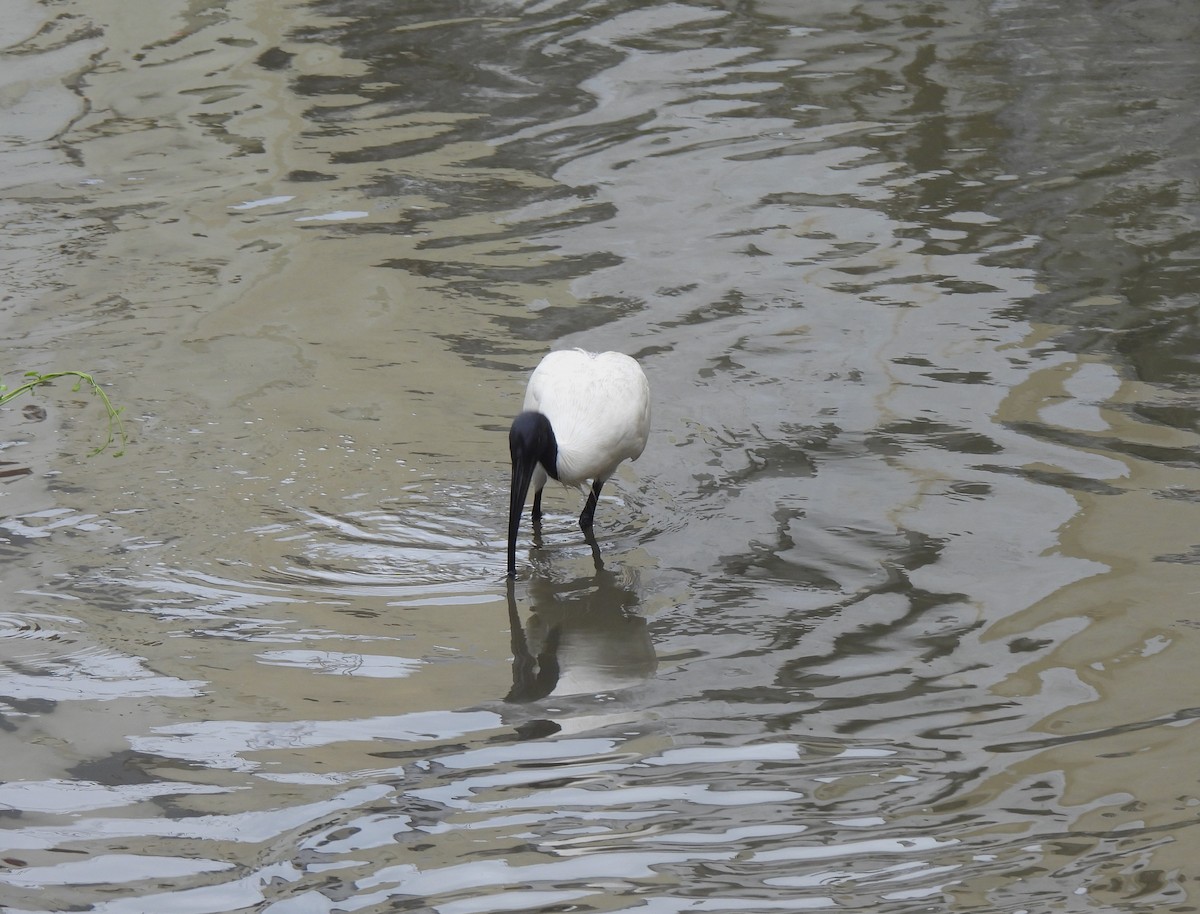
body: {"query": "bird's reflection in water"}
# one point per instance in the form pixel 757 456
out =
pixel 582 637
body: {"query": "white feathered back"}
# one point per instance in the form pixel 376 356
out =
pixel 599 407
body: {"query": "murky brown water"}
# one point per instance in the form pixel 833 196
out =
pixel 898 610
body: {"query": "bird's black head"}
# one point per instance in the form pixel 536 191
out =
pixel 530 442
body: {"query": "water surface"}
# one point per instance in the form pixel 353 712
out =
pixel 895 612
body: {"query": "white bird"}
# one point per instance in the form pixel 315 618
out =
pixel 584 413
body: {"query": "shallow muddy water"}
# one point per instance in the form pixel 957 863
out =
pixel 897 612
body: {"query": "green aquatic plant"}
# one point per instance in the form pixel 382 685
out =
pixel 116 430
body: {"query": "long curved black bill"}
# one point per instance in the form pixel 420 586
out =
pixel 522 474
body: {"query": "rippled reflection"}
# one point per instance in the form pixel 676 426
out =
pixel 583 638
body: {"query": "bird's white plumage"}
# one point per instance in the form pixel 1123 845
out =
pixel 599 407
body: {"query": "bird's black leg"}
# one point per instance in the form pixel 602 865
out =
pixel 589 510
pixel 535 515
